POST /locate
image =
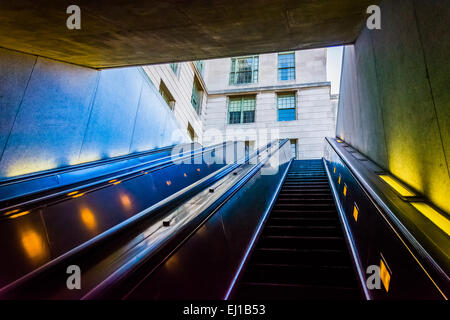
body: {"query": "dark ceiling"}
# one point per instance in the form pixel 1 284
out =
pixel 125 32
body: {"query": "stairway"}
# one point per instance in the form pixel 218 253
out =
pixel 301 253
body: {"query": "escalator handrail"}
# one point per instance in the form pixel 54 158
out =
pixel 155 164
pixel 110 233
pixel 80 166
pixel 395 224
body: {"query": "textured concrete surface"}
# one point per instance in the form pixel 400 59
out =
pixel 55 114
pixel 123 33
pixel 394 103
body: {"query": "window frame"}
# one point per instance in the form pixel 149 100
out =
pixel 167 95
pixel 241 107
pixel 286 68
pixel 286 93
pixel 198 89
pixel 234 73
pixel 177 69
pixel 295 140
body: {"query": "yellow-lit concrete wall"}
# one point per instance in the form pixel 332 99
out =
pixel 395 100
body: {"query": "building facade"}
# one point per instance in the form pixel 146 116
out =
pixel 254 99
pixel 182 87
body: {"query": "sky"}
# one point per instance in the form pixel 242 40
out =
pixel 334 60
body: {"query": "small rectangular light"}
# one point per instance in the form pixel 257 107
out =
pixel 78 195
pixel 339 181
pixel 437 218
pixel 19 214
pixel 334 170
pixel 345 190
pixel 355 212
pixel 385 275
pixel 397 186
pixel 339 141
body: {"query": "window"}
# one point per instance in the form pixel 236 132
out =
pixel 199 66
pixel 241 109
pixel 174 67
pixel 244 70
pixel 294 147
pixel 191 132
pixel 286 66
pixel 197 94
pixel 165 93
pixel 249 147
pixel 286 106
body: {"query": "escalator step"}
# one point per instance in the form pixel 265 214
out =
pixel 340 276
pixel 278 291
pixel 301 252
pixel 324 257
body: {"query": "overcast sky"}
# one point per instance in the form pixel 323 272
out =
pixel 334 60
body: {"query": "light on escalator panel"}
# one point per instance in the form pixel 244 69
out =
pixel 385 275
pixel 34 245
pixel 437 218
pixel 345 190
pixel 78 195
pixel 339 180
pixel 397 186
pixel 19 214
pixel 88 219
pixel 355 212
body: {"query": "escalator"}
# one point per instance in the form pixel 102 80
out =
pixel 301 252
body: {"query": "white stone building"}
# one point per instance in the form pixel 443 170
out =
pixel 176 83
pixel 254 98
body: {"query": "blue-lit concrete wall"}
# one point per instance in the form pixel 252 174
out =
pixel 55 114
pixel 395 100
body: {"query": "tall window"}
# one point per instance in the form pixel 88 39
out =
pixel 294 147
pixel 191 132
pixel 244 70
pixel 196 98
pixel 165 93
pixel 174 67
pixel 241 109
pixel 286 66
pixel 286 106
pixel 199 66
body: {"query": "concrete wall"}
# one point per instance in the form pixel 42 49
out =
pixel 395 100
pixel 55 114
pixel 180 86
pixel 315 118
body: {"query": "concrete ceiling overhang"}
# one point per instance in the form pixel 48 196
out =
pixel 118 33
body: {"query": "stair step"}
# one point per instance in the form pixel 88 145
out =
pixel 282 291
pixel 301 252
pixel 298 274
pixel 302 221
pixel 311 257
pixel 317 231
pixel 303 242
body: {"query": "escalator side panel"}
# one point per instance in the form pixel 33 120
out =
pixel 50 231
pixel 375 240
